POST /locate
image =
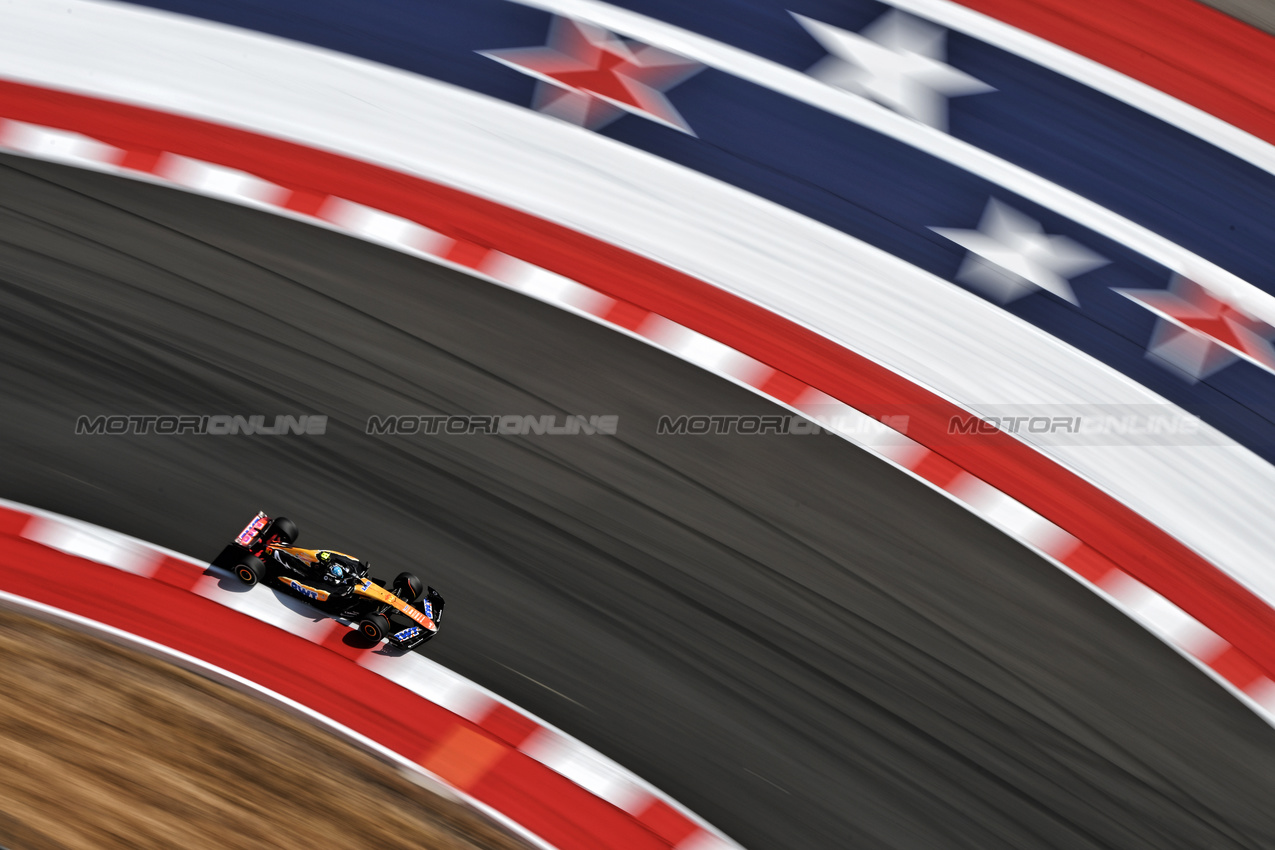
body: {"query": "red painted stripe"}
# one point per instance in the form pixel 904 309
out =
pixel 180 574
pixel 12 522
pixel 518 787
pixel 937 470
pixel 626 315
pixel 1183 48
pixel 1089 565
pixel 1236 667
pixel 666 821
pixel 533 795
pixel 467 254
pixel 1108 527
pixel 508 725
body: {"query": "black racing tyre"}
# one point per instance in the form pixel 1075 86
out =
pixel 374 626
pixel 407 587
pixel 250 569
pixel 282 529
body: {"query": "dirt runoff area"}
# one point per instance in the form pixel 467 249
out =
pixel 102 747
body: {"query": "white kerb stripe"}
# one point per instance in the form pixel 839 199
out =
pixel 413 770
pixel 703 841
pixel 555 289
pixel 1011 516
pixel 59 145
pixel 93 543
pixel 587 768
pixel 420 675
pixel 381 227
pixel 703 351
pixel 219 181
pixel 262 604
pixel 917 326
pixel 432 681
pixel 1166 620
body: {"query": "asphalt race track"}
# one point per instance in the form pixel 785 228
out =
pixel 1258 13
pixel 803 645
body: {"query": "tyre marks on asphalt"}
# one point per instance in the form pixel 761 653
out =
pixel 720 615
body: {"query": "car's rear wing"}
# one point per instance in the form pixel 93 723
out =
pixel 249 539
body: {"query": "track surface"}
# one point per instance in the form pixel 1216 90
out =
pixel 798 642
pixel 1258 13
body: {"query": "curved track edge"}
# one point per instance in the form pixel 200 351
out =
pixel 1160 582
pixel 1224 71
pixel 529 775
pixel 51 614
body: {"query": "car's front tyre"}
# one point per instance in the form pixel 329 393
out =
pixel 374 626
pixel 407 587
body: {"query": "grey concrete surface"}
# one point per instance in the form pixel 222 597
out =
pixel 797 641
pixel 1258 13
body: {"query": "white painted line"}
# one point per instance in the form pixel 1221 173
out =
pixel 567 175
pixel 1099 77
pixel 706 352
pixel 802 87
pixel 162 551
pixel 665 333
pixel 93 543
pixel 1262 692
pixel 59 145
pixel 553 288
pixel 432 681
pixel 1124 588
pixel 703 840
pixel 409 767
pixel 422 676
pixel 1172 624
pixel 587 768
pixel 220 182
pixel 1011 515
pixel 981 497
pixel 860 429
pixel 262 604
pixel 509 271
pixel 383 228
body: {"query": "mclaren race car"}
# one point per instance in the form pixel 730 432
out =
pixel 334 582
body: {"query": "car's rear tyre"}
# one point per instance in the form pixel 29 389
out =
pixel 250 569
pixel 374 626
pixel 283 530
pixel 407 587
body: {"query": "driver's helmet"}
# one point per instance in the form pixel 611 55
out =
pixel 337 572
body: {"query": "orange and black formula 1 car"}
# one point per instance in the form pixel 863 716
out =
pixel 334 582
